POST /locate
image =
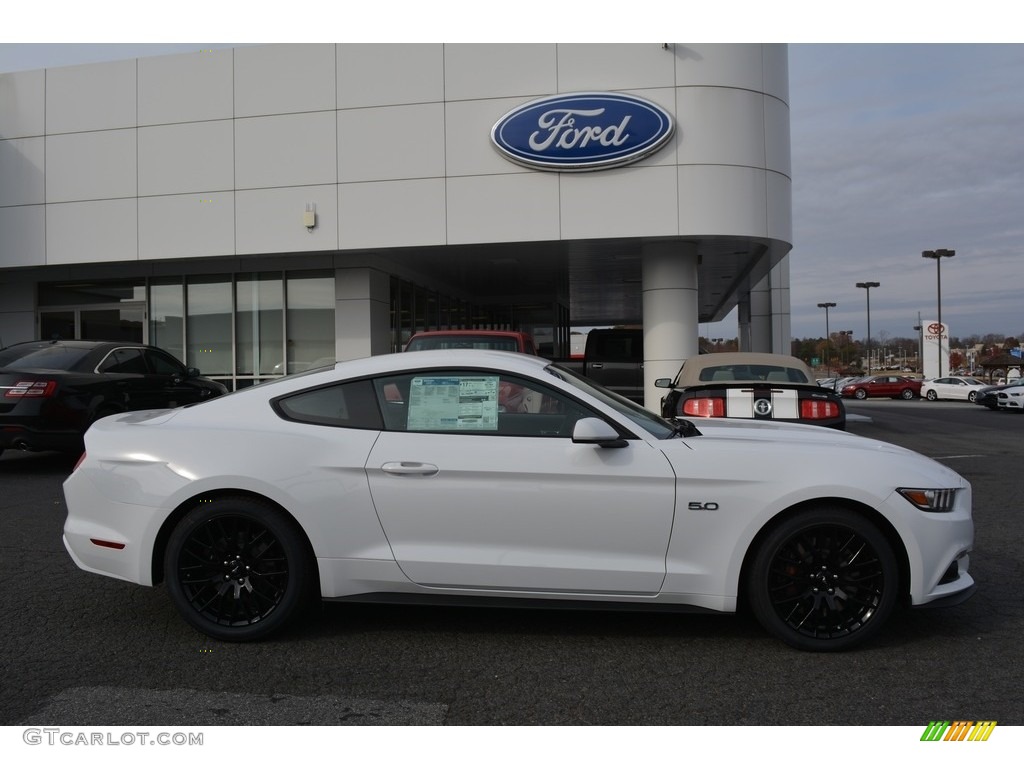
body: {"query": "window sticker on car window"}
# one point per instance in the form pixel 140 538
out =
pixel 453 403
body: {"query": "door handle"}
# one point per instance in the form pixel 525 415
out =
pixel 408 468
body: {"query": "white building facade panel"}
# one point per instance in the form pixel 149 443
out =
pixel 24 100
pixel 703 188
pixel 186 157
pixel 22 167
pixel 392 214
pixel 629 201
pixel 624 67
pixel 23 236
pixel 777 145
pixel 279 79
pixel 388 143
pixel 186 226
pixel 488 71
pixel 91 97
pixel 723 65
pixel 93 231
pixel 286 150
pixel 513 207
pixel 714 127
pixel 467 130
pixel 98 165
pixel 271 220
pixel 189 87
pixel 405 74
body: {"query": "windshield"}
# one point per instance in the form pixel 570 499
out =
pixel 626 408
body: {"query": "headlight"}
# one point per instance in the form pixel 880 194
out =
pixel 930 499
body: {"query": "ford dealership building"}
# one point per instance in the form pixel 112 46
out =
pixel 260 209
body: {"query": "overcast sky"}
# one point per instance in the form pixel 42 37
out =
pixel 896 148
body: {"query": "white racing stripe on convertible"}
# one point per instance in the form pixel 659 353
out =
pixel 740 404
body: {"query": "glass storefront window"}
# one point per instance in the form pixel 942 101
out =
pixel 167 317
pixel 208 325
pixel 310 320
pixel 259 324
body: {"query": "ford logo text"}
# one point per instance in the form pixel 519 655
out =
pixel 582 131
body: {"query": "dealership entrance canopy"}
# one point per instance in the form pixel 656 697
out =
pixel 258 209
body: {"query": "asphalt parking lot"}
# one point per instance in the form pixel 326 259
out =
pixel 78 649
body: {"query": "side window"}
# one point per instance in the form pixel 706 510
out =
pixel 476 402
pixel 163 364
pixel 123 360
pixel 351 404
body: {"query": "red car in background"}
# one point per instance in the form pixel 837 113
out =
pixel 887 385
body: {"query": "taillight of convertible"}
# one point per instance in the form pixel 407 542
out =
pixel 704 406
pixel 816 410
pixel 32 388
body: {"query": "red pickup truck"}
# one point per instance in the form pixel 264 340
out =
pixel 506 341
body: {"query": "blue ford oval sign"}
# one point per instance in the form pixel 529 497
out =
pixel 582 131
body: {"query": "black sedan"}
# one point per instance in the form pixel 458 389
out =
pixel 51 391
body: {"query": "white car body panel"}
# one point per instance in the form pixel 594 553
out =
pixel 1011 398
pixel 542 514
pixel 659 521
pixel 952 388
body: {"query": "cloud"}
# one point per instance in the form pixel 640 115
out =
pixel 898 149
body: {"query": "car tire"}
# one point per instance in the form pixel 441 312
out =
pixel 237 568
pixel 932 395
pixel 972 397
pixel 823 579
pixel 860 394
pixel 907 394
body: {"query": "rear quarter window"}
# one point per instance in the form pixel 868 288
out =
pixel 351 404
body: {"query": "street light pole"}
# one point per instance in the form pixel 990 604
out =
pixel 867 287
pixel 828 362
pixel 937 255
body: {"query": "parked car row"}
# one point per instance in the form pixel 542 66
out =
pixel 969 388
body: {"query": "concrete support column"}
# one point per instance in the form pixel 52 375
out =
pixel 362 307
pixel 767 315
pixel 670 313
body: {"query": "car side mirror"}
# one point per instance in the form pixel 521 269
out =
pixel 592 431
pixel 663 383
pixel 192 373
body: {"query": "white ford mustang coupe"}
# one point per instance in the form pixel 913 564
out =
pixel 470 476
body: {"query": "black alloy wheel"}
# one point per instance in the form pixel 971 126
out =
pixel 823 580
pixel 237 569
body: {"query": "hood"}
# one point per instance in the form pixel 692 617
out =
pixel 767 447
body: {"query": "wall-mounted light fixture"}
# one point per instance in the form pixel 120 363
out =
pixel 309 217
